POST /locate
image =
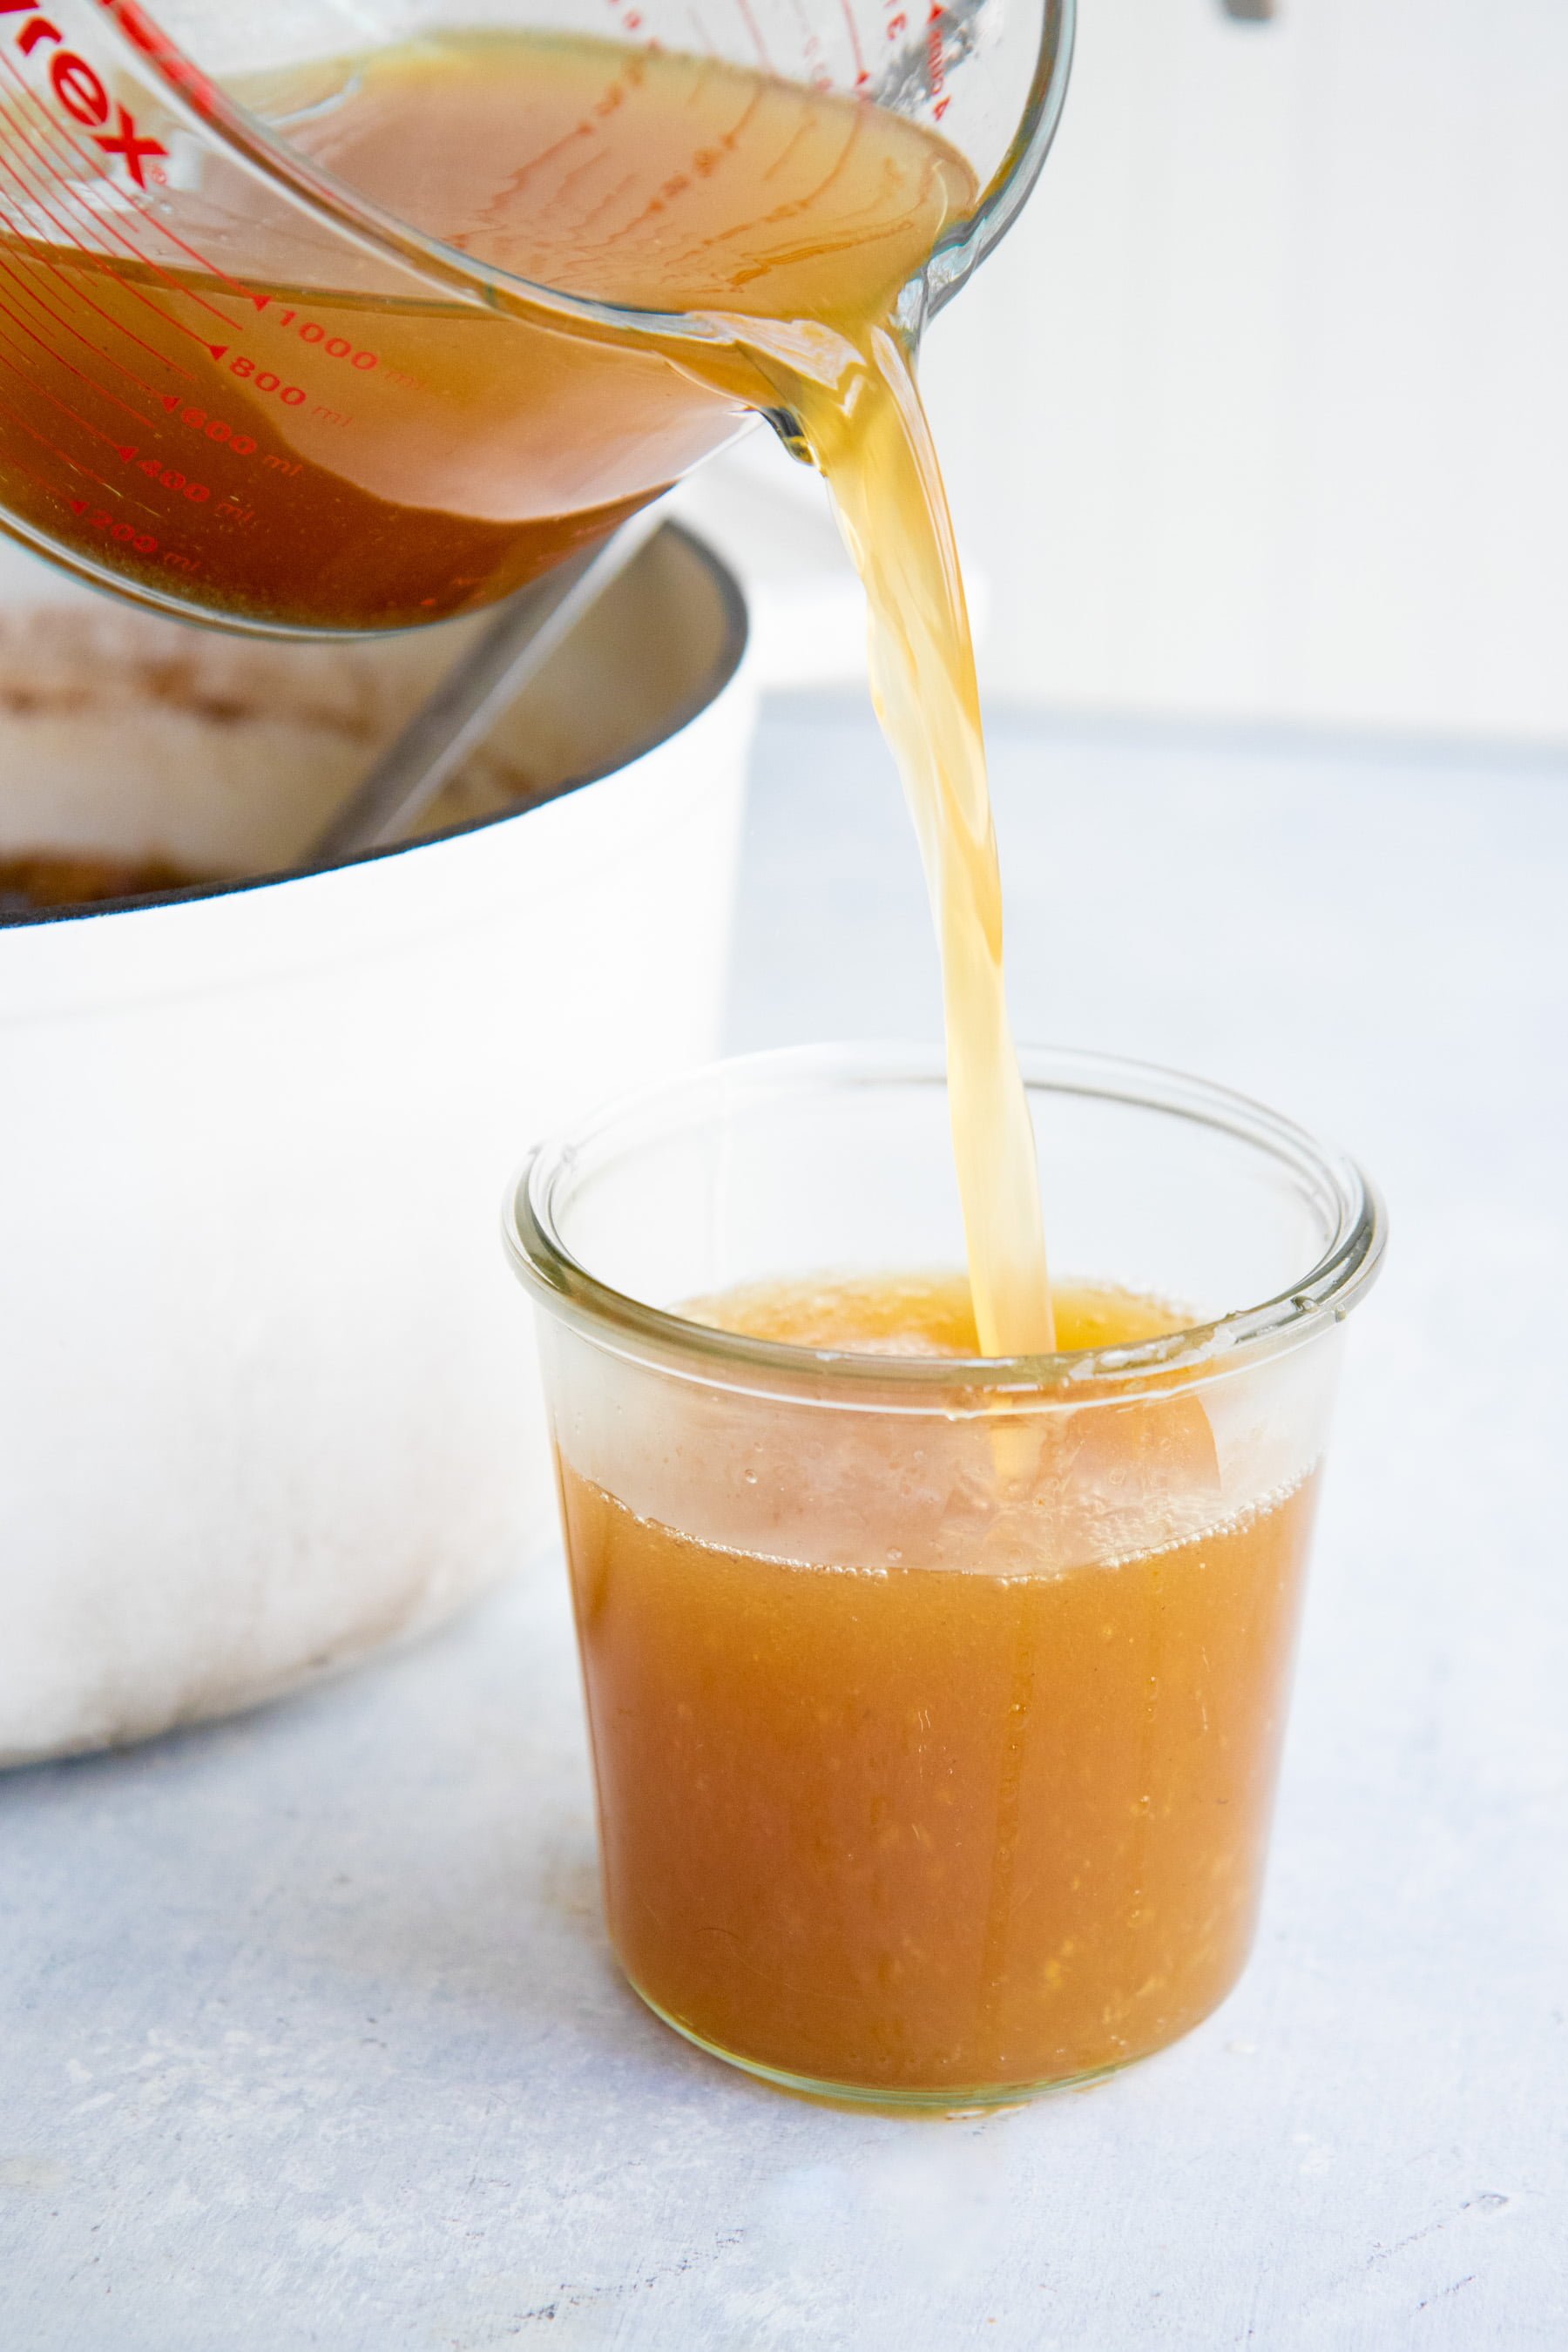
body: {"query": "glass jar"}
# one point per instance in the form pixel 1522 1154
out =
pixel 936 1703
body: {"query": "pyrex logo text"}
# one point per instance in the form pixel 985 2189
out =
pixel 81 93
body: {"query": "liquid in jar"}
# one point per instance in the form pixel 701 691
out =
pixel 948 1799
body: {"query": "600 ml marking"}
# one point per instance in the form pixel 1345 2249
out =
pixel 239 445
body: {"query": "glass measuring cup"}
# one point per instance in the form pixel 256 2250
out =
pixel 237 386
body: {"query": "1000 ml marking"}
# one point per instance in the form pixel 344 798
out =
pixel 336 347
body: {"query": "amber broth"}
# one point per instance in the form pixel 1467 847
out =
pixel 984 1811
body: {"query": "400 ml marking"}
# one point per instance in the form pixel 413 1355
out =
pixel 169 478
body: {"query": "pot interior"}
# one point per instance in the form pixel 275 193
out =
pixel 127 737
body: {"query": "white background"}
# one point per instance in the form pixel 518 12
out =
pixel 1262 409
pixel 1260 413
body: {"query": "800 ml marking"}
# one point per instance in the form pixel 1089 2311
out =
pixel 264 379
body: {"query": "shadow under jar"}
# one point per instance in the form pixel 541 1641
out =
pixel 936 1701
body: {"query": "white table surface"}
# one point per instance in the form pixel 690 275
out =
pixel 308 2032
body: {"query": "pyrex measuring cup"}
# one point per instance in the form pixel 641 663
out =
pixel 235 387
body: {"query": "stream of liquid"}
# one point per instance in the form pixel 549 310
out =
pixel 786 224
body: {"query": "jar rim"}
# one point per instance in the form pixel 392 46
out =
pixel 1324 1295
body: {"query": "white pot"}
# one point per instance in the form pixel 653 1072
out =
pixel 260 1358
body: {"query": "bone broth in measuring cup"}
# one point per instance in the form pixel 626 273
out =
pixel 328 457
pixel 401 348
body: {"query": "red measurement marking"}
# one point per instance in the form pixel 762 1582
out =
pixel 60 361
pixel 169 478
pixel 32 295
pixel 73 294
pixel 193 334
pixel 862 79
pixel 156 221
pixel 338 346
pixel 213 428
pixel 26 361
pixel 144 210
pixel 130 143
pixel 267 379
pixel 100 226
pixel 103 226
pixel 818 74
pixel 120 449
pixel 30 473
pixel 129 535
pixel 97 223
pixel 139 28
pixel 52 447
pixel 34 109
pixel 751 24
pixel 80 92
pixel 935 62
pixel 31 188
pixel 55 270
